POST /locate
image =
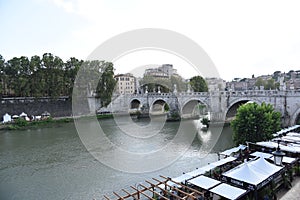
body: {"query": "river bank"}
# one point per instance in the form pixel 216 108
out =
pixel 22 124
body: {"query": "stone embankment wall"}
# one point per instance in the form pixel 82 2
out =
pixel 59 107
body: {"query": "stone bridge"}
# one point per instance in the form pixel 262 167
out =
pixel 222 105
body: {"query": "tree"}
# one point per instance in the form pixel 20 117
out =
pixel 2 75
pixel 198 84
pixel 254 123
pixel 268 84
pixel 259 82
pixel 106 84
pixel 166 84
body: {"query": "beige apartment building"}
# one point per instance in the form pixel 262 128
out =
pixel 126 84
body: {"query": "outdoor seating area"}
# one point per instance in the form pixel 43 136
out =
pixel 243 172
pixel 7 118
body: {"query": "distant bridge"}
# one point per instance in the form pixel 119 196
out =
pixel 222 105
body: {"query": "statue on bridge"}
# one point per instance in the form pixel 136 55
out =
pixel 175 89
pixel 188 88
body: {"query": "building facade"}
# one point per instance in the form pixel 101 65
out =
pixel 126 84
pixel 163 71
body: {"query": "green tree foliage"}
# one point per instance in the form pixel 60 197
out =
pixel 198 84
pixel 106 83
pixel 2 77
pixel 259 82
pixel 50 76
pixel 255 123
pixel 166 84
pixel 268 84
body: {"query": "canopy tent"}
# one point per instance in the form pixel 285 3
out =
pixel 204 182
pixel 252 175
pixel 293 134
pixel 290 138
pixel 15 116
pixel 287 160
pixel 233 150
pixel 264 167
pixel 196 172
pixel 286 130
pixel 182 178
pixel 290 148
pixel 6 118
pixel 228 191
pixel 23 114
pixel 224 161
pixel 210 166
pixel 45 114
pixel 261 154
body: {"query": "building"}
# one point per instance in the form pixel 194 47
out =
pixel 215 84
pixel 163 71
pixel 126 84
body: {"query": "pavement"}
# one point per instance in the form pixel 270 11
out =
pixel 294 192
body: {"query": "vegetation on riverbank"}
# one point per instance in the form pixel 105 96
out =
pixel 22 124
pixel 49 76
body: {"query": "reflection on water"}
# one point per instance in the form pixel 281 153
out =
pixel 52 163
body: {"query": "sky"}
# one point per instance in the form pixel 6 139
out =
pixel 242 38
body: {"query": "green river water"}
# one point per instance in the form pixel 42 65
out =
pixel 52 163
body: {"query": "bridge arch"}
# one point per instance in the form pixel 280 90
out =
pixel 231 110
pixel 159 106
pixel 135 104
pixel 188 107
pixel 296 117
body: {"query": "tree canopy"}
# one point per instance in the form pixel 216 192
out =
pixel 50 76
pixel 166 84
pixel 254 123
pixel 198 84
pixel 268 84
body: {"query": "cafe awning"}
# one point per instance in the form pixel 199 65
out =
pixel 255 173
pixel 289 148
pixel 228 191
pixel 261 154
pixel 196 172
pixel 233 150
pixel 204 182
pixel 182 178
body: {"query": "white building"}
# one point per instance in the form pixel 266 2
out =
pixel 126 84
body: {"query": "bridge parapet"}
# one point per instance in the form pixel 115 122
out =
pixel 225 93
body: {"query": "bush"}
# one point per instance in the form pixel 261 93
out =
pixel 21 122
pixel 254 123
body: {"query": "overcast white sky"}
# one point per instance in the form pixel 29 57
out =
pixel 241 37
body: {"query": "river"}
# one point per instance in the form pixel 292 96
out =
pixel 52 162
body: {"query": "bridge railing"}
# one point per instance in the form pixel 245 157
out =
pixel 226 93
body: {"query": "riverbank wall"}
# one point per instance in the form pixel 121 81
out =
pixel 57 107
